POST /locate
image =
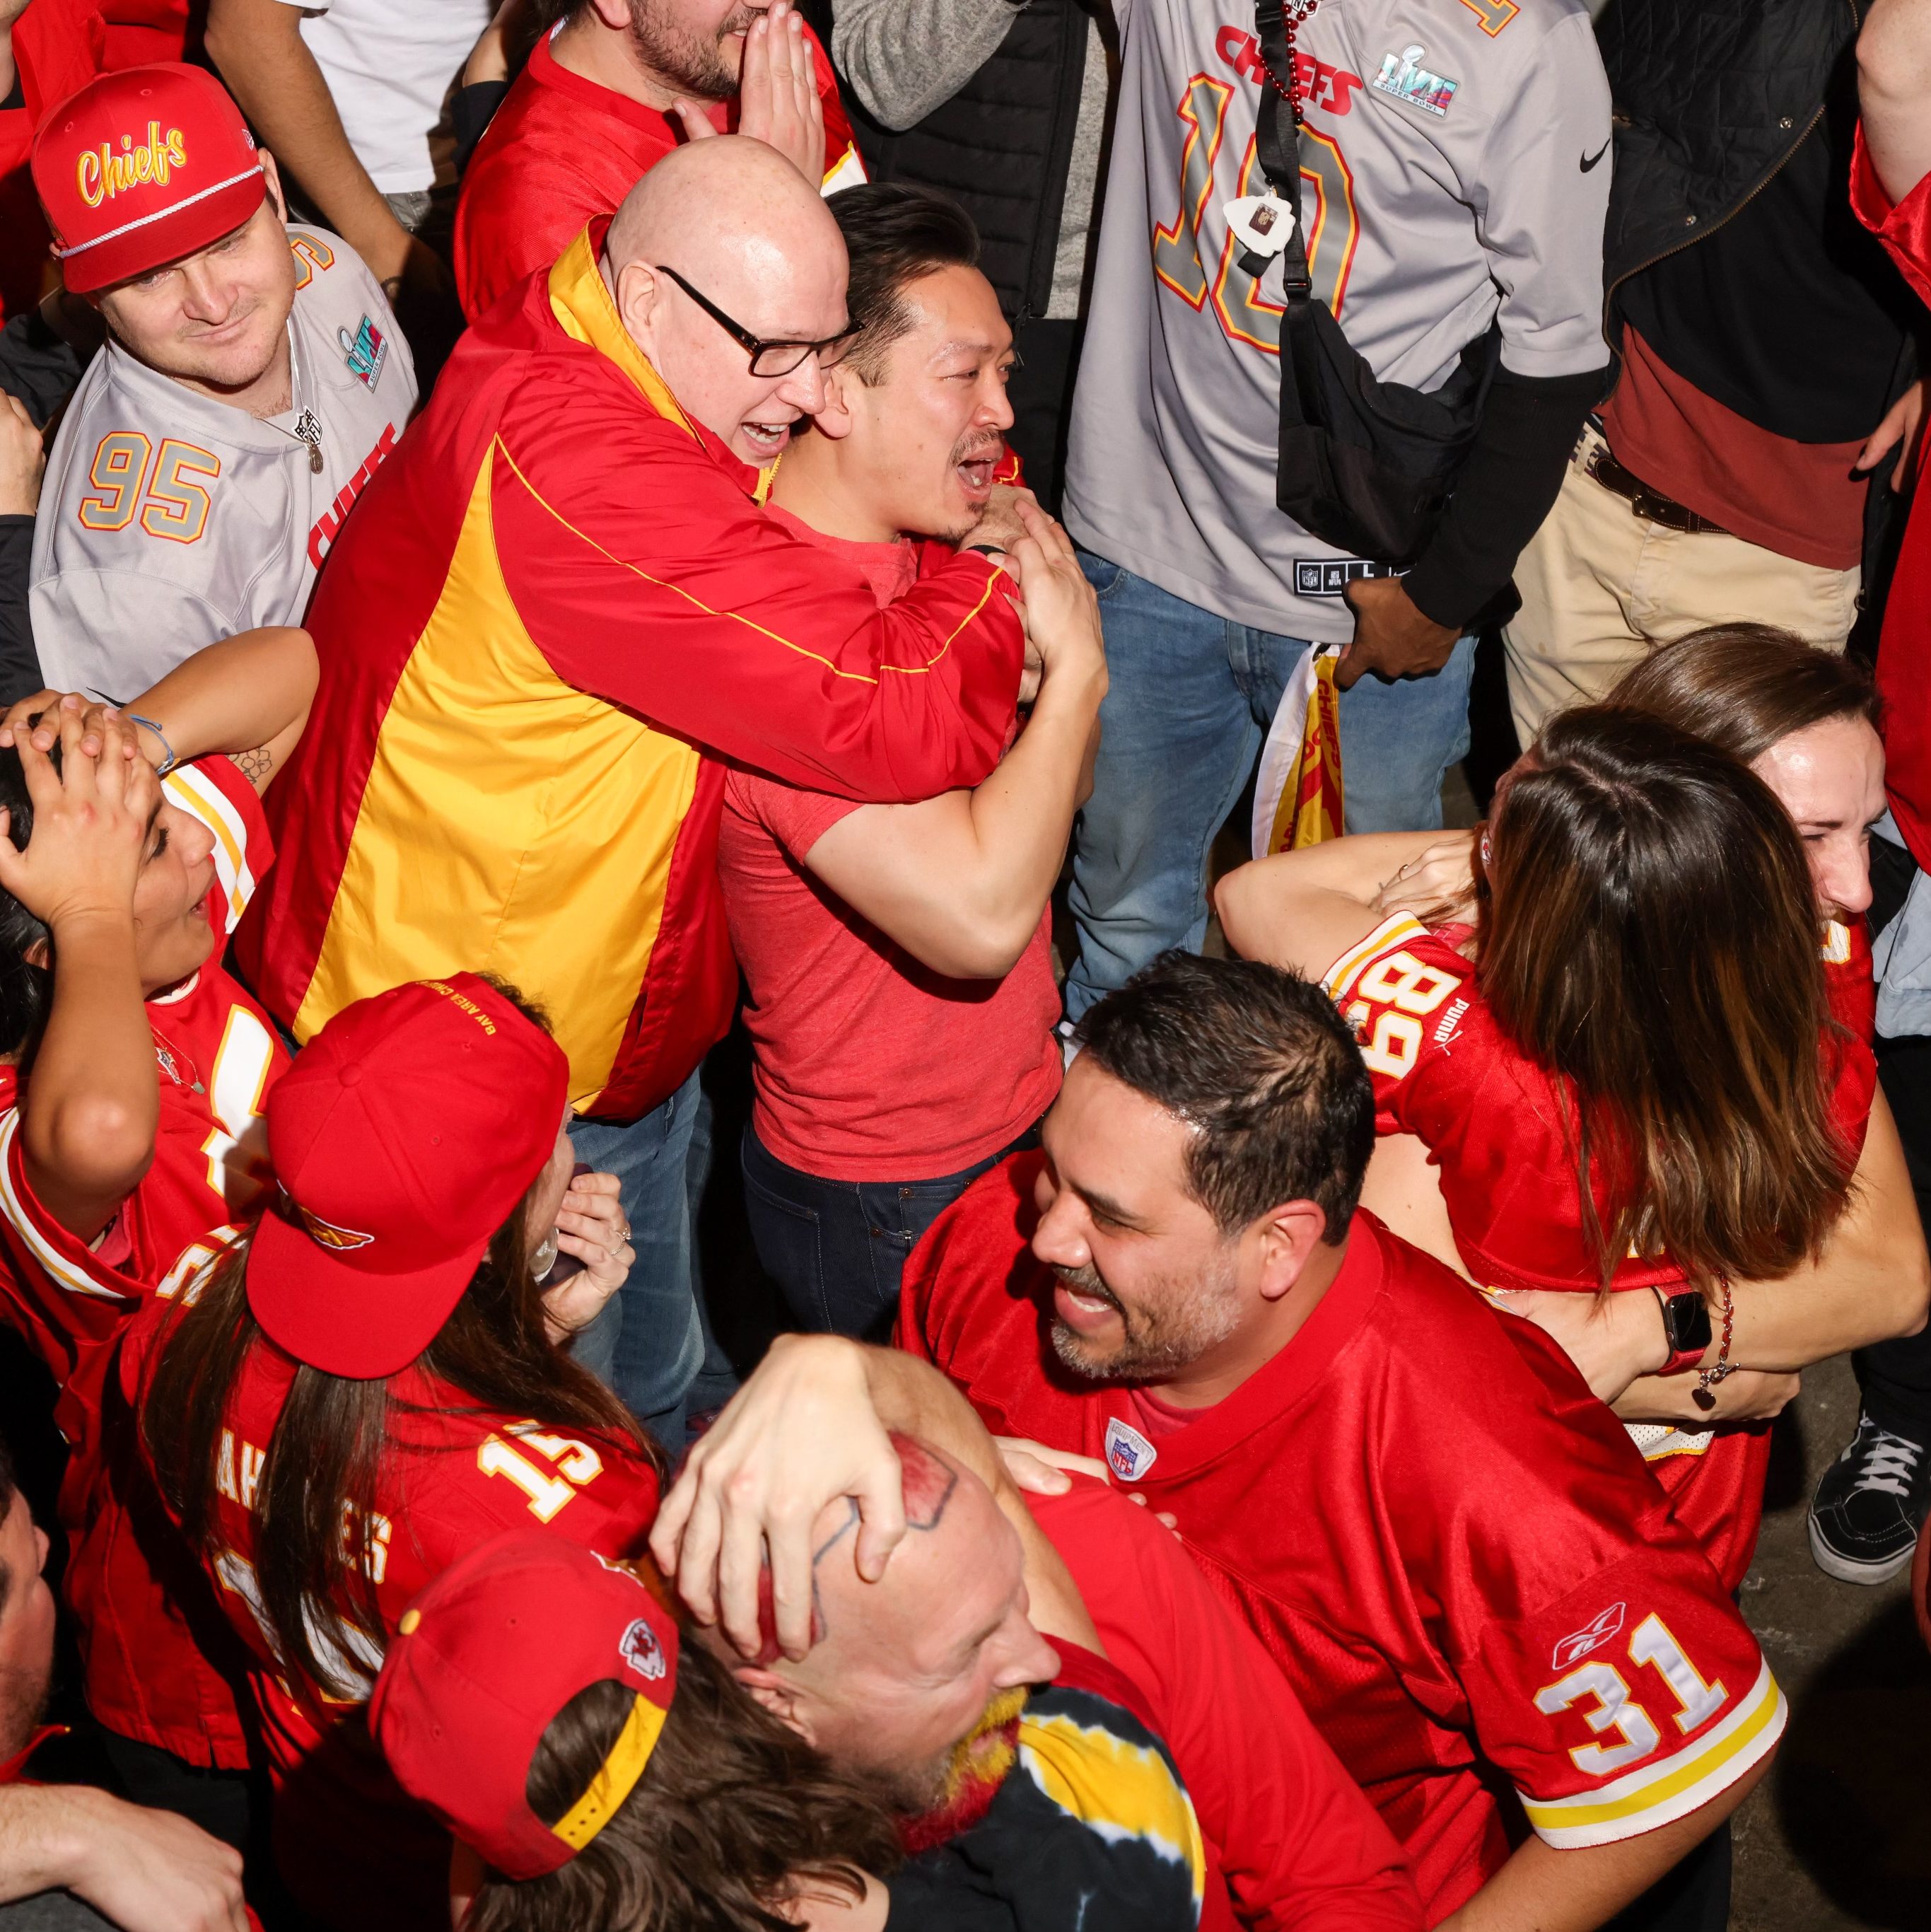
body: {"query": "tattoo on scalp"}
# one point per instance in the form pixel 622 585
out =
pixel 929 1486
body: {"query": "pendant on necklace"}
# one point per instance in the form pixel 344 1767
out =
pixel 308 429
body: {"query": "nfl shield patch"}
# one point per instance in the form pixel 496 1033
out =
pixel 1128 1454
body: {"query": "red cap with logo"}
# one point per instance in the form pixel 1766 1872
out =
pixel 140 168
pixel 403 1136
pixel 481 1663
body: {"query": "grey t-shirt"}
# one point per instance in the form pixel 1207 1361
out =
pixel 1454 166
pixel 168 519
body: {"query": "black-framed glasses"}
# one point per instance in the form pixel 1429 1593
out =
pixel 767 357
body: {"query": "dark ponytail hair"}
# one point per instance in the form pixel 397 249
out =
pixel 319 1476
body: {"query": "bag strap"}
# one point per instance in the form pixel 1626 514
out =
pixel 1277 147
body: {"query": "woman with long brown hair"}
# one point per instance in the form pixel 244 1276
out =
pixel 370 1381
pixel 1628 1078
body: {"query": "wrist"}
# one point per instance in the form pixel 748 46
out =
pixel 69 1834
pixel 1683 1320
pixel 80 920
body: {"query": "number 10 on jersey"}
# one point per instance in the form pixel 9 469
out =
pixel 1327 213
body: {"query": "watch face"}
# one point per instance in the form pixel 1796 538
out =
pixel 1689 1323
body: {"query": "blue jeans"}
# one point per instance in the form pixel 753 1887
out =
pixel 648 1341
pixel 1189 698
pixel 838 1248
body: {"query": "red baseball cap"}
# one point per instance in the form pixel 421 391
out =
pixel 481 1663
pixel 140 168
pixel 403 1135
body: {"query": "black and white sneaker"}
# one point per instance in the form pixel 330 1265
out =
pixel 1869 1506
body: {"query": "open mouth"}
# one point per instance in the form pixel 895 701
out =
pixel 768 439
pixel 975 475
pixel 1081 1311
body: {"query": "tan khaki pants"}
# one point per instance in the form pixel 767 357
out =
pixel 1600 584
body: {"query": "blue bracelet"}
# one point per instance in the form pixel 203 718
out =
pixel 168 762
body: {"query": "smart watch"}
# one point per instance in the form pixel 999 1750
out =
pixel 1685 1327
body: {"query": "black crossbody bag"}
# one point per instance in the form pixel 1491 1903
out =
pixel 1366 466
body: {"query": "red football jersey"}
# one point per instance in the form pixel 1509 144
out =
pixel 357 1851
pixel 1298 1847
pixel 147 1638
pixel 1493 1122
pixel 1848 983
pixel 1445 1542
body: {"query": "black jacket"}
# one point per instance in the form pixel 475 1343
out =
pixel 1711 98
pixel 1001 147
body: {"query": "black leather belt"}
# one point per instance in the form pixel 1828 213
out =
pixel 1651 505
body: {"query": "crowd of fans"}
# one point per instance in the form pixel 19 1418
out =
pixel 529 542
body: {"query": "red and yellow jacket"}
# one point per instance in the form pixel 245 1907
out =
pixel 550 604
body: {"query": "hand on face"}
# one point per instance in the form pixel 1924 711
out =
pixel 1439 887
pixel 778 102
pixel 93 821
pixel 589 1225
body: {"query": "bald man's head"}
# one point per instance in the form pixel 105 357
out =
pixel 750 235
pixel 901 1671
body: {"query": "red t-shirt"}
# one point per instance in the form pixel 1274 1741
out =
pixel 159 1666
pixel 1301 1850
pixel 562 150
pixel 1444 1541
pixel 357 1853
pixel 1904 650
pixel 867 1065
pixel 1493 1123
pixel 1798 499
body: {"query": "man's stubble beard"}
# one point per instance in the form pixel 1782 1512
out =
pixel 1188 1323
pixel 692 63
pixel 23 1702
pixel 913 1791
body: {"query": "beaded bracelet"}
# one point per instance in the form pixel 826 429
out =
pixel 1706 1379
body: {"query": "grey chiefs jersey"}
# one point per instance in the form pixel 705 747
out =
pixel 168 519
pixel 1454 167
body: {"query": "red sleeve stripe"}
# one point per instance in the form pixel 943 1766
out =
pixel 1655 1794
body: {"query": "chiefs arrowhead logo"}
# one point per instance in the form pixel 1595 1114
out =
pixel 639 1649
pixel 328 1233
pixel 1577 1644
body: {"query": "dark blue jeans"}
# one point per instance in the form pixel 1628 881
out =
pixel 838 1248
pixel 648 1344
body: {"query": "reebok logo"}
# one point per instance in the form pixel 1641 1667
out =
pixel 1577 1644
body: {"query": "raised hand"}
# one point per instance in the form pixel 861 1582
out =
pixel 92 821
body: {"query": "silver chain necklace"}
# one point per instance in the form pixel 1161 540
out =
pixel 307 430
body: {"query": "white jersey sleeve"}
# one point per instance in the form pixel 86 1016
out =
pixel 1540 194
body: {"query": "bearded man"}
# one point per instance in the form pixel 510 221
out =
pixel 612 86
